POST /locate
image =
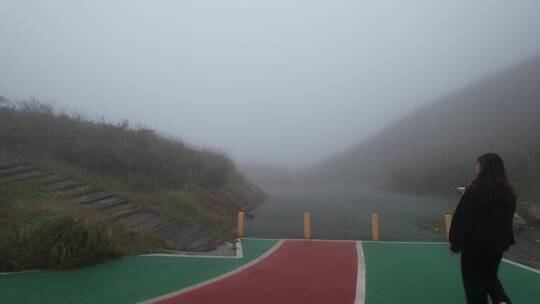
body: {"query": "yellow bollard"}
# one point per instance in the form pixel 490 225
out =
pixel 307 227
pixel 447 224
pixel 374 227
pixel 241 224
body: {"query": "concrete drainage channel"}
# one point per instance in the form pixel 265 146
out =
pixel 115 207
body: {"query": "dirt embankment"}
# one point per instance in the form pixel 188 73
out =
pixel 527 233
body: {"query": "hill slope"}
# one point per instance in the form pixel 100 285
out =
pixel 433 149
pixel 159 193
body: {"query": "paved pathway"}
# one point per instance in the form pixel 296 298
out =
pixel 270 271
pixel 297 272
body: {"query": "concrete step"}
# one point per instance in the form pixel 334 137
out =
pixel 124 212
pixel 46 176
pixel 15 170
pixel 119 208
pixel 145 221
pixel 92 197
pixel 160 227
pixel 110 202
pixel 25 176
pixel 135 220
pixel 50 179
pixel 78 191
pixel 11 164
pixel 202 241
pixel 65 185
pixel 169 230
pixel 191 236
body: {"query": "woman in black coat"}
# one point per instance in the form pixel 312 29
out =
pixel 482 230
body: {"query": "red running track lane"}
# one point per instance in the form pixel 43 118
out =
pixel 297 272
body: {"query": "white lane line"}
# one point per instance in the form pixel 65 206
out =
pixel 522 266
pixel 239 250
pixel 360 297
pixel 218 278
pixel 19 272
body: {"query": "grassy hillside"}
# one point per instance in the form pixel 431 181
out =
pixel 197 192
pixel 139 157
pixel 433 149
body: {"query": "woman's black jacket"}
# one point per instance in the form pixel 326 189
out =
pixel 483 223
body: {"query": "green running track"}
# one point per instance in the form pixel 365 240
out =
pixel 394 273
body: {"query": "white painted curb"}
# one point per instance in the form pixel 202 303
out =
pixel 360 297
pixel 238 254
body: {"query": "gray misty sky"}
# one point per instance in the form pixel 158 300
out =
pixel 289 82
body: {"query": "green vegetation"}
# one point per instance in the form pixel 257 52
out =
pixel 56 242
pixel 139 157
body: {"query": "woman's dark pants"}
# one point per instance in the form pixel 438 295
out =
pixel 479 273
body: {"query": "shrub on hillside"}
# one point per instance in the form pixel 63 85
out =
pixel 55 242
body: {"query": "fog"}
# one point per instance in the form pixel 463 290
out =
pixel 286 82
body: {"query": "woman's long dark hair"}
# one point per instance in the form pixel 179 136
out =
pixel 493 175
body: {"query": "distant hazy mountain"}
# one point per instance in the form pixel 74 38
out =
pixel 264 175
pixel 433 149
